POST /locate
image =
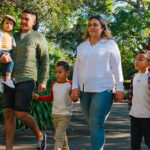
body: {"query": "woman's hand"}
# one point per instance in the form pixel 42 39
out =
pixel 75 95
pixel 35 96
pixel 119 95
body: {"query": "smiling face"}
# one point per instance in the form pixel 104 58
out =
pixel 27 22
pixel 94 28
pixel 61 74
pixel 141 63
pixel 8 25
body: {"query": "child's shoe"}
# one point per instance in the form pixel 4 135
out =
pixel 9 83
pixel 41 145
pixel 1 86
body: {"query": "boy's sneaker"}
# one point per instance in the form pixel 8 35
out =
pixel 9 83
pixel 1 86
pixel 41 145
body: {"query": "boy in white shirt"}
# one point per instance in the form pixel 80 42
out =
pixel 7 43
pixel 62 104
pixel 139 100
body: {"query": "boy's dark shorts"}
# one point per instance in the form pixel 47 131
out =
pixel 19 98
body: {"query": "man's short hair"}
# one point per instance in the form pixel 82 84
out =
pixel 64 64
pixel 147 53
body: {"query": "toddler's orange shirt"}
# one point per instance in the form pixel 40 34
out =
pixel 7 41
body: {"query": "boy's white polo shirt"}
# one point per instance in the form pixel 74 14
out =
pixel 141 96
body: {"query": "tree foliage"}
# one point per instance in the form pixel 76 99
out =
pixel 128 20
pixel 131 29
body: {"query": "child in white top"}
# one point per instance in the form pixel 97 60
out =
pixel 139 95
pixel 7 43
pixel 62 104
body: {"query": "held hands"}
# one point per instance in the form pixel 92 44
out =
pixel 41 89
pixel 119 95
pixel 75 94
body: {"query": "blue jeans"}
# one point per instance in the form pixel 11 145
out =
pixel 96 108
pixel 7 67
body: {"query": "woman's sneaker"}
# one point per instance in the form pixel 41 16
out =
pixel 9 83
pixel 41 145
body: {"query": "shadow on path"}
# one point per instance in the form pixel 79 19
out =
pixel 118 128
pixel 117 132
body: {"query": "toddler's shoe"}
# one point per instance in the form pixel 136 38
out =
pixel 1 86
pixel 9 83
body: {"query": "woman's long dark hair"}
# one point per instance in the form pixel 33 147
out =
pixel 35 27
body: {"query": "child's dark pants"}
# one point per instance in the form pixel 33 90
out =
pixel 140 127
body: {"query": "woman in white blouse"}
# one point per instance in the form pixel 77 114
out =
pixel 97 72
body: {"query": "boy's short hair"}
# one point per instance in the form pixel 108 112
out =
pixel 147 53
pixel 64 64
pixel 9 17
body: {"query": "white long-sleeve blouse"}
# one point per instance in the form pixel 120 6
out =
pixel 98 67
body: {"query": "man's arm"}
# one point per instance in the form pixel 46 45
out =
pixel 44 64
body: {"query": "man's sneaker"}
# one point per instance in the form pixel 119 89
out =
pixel 9 83
pixel 41 145
pixel 1 86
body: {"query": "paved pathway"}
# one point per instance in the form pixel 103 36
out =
pixel 117 132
